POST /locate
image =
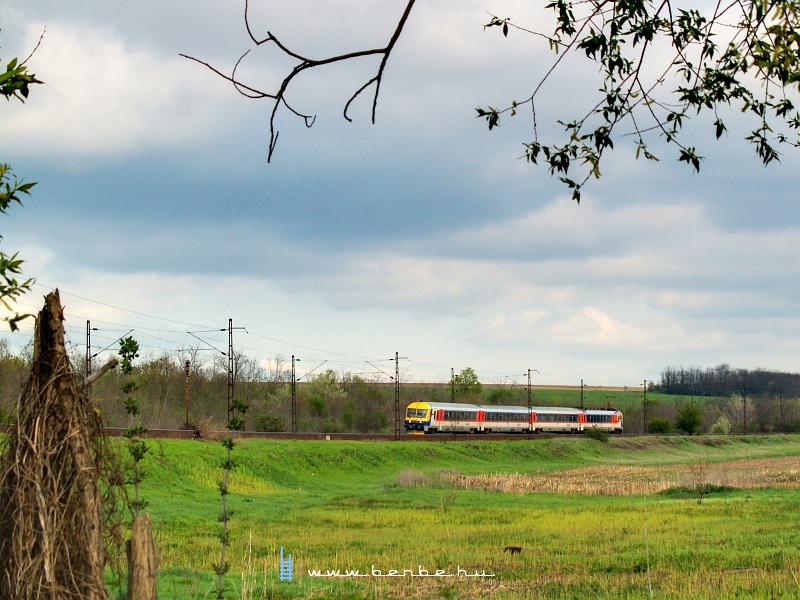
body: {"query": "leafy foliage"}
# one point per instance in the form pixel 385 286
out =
pixel 269 423
pixel 137 448
pixel 739 54
pixel 128 351
pixel 689 418
pixel 237 409
pixel 597 434
pixel 721 426
pixel 500 396
pixel 11 190
pixel 15 82
pixel 465 383
pixel 659 425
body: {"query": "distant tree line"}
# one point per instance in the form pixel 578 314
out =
pixel 722 381
pixel 328 402
pixel 341 402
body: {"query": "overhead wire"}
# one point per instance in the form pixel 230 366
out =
pixel 175 341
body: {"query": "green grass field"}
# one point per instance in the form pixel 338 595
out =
pixel 417 505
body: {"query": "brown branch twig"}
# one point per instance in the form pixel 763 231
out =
pixel 304 63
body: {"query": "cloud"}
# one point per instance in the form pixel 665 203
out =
pixel 423 233
pixel 105 99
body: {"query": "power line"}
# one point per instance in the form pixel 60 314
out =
pixel 162 339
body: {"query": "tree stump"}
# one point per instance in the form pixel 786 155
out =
pixel 51 514
pixel 142 562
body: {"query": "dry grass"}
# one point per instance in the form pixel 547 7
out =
pixel 628 480
pixel 437 478
pixel 211 430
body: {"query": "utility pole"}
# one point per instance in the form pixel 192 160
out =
pixel 452 384
pixel 530 423
pixel 187 366
pixel 230 368
pixel 581 394
pixel 644 406
pixel 396 395
pixel 396 359
pixel 294 397
pixel 88 348
pixel 89 356
pixel 744 407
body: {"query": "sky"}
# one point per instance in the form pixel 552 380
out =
pixel 423 236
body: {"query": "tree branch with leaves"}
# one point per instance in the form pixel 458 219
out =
pixel 741 54
pixel 735 54
pixel 15 82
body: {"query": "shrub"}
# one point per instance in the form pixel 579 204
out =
pixel 659 425
pixel 689 418
pixel 595 433
pixel 721 427
pixel 316 404
pixel 500 396
pixel 268 422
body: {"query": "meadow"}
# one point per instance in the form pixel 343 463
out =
pixel 622 519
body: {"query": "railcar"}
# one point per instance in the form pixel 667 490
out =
pixel 445 417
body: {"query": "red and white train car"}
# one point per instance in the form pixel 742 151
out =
pixel 434 417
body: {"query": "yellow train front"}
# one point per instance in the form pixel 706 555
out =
pixel 418 417
pixel 433 417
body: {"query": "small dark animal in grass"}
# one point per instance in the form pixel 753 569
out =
pixel 513 549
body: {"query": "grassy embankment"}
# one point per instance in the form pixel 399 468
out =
pixel 355 505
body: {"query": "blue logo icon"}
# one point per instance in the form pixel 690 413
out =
pixel 286 567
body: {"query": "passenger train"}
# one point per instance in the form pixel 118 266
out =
pixel 434 417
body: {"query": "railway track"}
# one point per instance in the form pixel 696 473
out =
pixel 188 434
pixel 373 437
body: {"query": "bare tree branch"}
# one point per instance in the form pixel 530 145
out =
pixel 304 63
pixel 110 364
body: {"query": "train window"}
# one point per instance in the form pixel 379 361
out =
pixel 457 415
pixel 598 418
pixel 514 417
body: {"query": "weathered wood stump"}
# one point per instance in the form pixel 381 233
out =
pixel 51 515
pixel 142 562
